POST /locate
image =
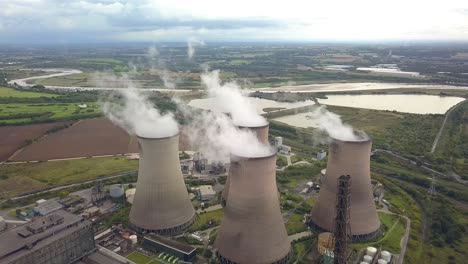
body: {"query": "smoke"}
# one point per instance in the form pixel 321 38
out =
pixel 215 135
pixel 156 64
pixel 131 110
pixel 192 43
pixel 332 124
pixel 229 99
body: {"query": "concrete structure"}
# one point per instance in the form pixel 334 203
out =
pixel 262 135
pixel 252 230
pixel 278 142
pixel 59 237
pixel 47 207
pixel 116 191
pixel 161 203
pixel 3 224
pixel 160 244
pixel 206 193
pixel 348 158
pixel 321 155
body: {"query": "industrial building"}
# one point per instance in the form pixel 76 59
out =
pixel 262 135
pixel 46 207
pixel 159 244
pixel 252 229
pixel 161 203
pixel 59 237
pixel 206 193
pixel 348 158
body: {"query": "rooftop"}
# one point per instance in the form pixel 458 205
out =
pixel 37 234
pixel 206 190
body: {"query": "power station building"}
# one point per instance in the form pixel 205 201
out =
pixel 59 237
pixel 348 158
pixel 261 132
pixel 252 229
pixel 161 203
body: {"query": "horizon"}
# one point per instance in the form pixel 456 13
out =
pixel 124 21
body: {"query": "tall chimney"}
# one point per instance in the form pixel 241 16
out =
pixel 252 230
pixel 161 203
pixel 262 135
pixel 348 158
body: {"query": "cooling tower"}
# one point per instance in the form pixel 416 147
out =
pixel 252 230
pixel 262 135
pixel 161 203
pixel 348 158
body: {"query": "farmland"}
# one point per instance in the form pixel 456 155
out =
pixel 92 137
pixel 15 137
pixel 9 92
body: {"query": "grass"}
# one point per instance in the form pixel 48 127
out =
pixel 9 92
pixel 204 218
pixel 139 258
pixel 394 231
pixel 77 79
pixel 299 250
pixel 240 62
pixel 295 225
pixel 32 176
pixel 17 113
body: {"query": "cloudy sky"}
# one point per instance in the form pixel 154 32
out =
pixel 70 21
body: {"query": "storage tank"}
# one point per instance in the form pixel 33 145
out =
pixel 348 158
pixel 2 224
pixel 161 203
pixel 381 261
pixel 261 131
pixel 326 241
pixel 252 229
pixel 385 255
pixel 371 251
pixel 133 239
pixel 116 191
pixel 367 259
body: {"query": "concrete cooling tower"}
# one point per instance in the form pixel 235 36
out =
pixel 161 203
pixel 348 158
pixel 262 135
pixel 252 230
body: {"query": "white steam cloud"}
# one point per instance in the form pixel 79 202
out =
pixel 229 99
pixel 130 109
pixel 332 124
pixel 215 135
pixel 192 43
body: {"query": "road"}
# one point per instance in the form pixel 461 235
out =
pixel 436 140
pixel 64 186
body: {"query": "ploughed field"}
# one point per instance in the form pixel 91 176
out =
pixel 86 138
pixel 13 138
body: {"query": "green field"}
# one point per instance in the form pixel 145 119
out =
pixel 77 79
pixel 295 225
pixel 15 113
pixel 18 178
pixel 204 218
pixel 9 92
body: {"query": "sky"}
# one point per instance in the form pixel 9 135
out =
pixel 107 21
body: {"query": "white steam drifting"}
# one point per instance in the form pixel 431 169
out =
pixel 192 43
pixel 158 66
pixel 332 124
pixel 216 136
pixel 131 110
pixel 229 99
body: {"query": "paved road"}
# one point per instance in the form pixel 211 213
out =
pixel 60 187
pixel 404 240
pixel 299 235
pixel 436 140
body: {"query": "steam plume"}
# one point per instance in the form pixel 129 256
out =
pixel 192 43
pixel 217 137
pixel 156 64
pixel 332 124
pixel 229 99
pixel 130 109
